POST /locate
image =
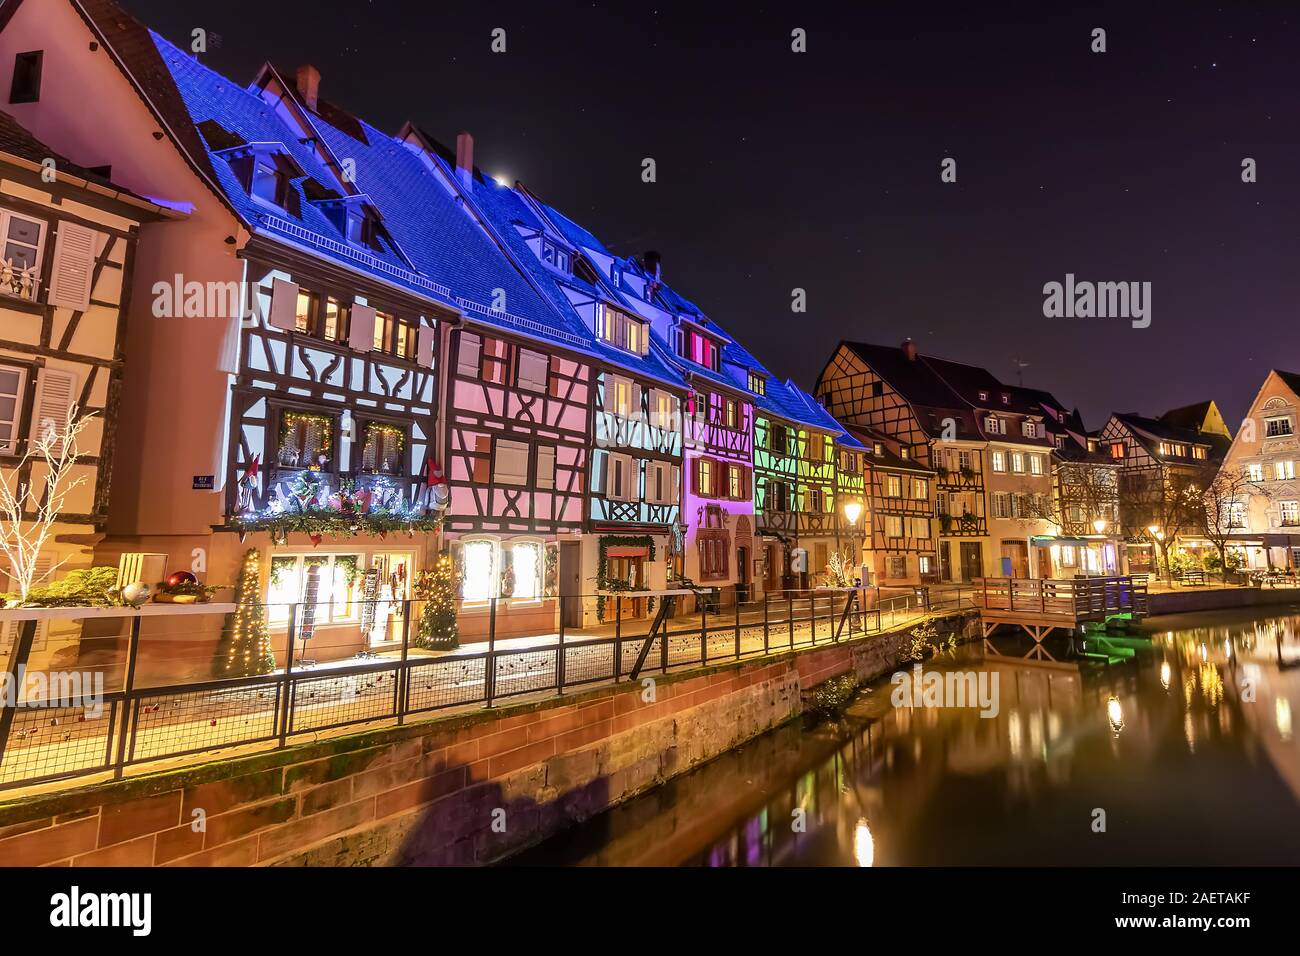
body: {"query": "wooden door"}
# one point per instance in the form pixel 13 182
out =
pixel 571 582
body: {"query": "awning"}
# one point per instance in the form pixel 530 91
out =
pixel 1047 540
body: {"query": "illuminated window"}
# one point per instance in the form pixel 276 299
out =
pixel 1283 470
pixel 1035 464
pixel 999 461
pixel 1274 427
pixel 330 582
pixel 1255 472
pixel 1017 463
pixel 306 439
pixel 1290 511
pixel 620 329
pixel 893 486
pixel 384 449
pixel 527 563
pixel 757 384
pixel 733 481
pixel 479 560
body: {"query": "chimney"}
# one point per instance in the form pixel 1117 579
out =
pixel 909 350
pixel 465 159
pixel 308 79
pixel 654 263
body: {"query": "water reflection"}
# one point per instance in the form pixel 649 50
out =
pixel 1185 739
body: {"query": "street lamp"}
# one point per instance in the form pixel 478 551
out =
pixel 853 511
pixel 1099 526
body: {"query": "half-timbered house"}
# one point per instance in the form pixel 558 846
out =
pixel 1165 465
pixel 69 240
pixel 899 530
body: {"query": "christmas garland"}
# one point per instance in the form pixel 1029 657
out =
pixel 603 582
pixel 335 524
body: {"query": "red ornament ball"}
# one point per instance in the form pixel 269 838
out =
pixel 177 578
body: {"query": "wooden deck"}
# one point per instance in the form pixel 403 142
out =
pixel 1041 605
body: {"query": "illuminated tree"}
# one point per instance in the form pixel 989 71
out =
pixel 438 628
pixel 245 647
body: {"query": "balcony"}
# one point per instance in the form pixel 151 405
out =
pixel 963 526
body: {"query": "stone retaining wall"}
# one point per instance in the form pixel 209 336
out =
pixel 462 789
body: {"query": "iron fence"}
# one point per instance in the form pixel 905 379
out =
pixel 135 725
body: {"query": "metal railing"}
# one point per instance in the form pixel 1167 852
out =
pixel 149 720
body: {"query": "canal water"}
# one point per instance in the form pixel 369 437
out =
pixel 1173 747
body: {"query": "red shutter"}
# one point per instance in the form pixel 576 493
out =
pixel 483 464
pixel 695 477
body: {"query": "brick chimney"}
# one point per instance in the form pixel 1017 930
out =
pixel 909 350
pixel 308 80
pixel 465 159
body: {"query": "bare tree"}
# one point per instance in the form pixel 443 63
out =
pixel 1082 493
pixel 1222 502
pixel 28 513
pixel 1168 500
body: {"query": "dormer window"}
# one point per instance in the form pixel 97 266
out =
pixel 700 349
pixel 757 384
pixel 270 184
pixel 621 330
pixel 554 256
pixel 984 396
pixel 357 228
pixel 1006 398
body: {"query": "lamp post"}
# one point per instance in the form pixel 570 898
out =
pixel 1157 539
pixel 852 512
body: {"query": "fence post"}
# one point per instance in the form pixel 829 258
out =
pixel 403 671
pixel 286 708
pixel 128 685
pixel 737 627
pixel 17 660
pixel 663 638
pixel 766 596
pixel 618 635
pixel 812 611
pixel 789 617
pixel 490 670
pixel 559 659
pixel 704 631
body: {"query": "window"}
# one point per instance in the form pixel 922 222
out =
pixel 1199 452
pixel 733 481
pixel 1117 450
pixel 1017 463
pixel 1274 427
pixel 336 580
pixel 665 410
pixel 26 86
pixel 306 439
pixel 396 336
pixel 897 565
pixel 699 348
pixel 468 355
pixel 778 438
pixel 620 329
pixel 384 449
pixel 918 527
pixel 757 384
pixel 893 526
pixel 526 561
pixel 1006 398
pixel 893 486
pixel 269 184
pixel 984 396
pixel 619 397
pixel 733 414
pixel 662 483
pixel 815 501
pixel 533 369
pixel 923 563
pixel 999 461
pixel 1284 470
pixel 510 466
pixel 479 559
pixel 1060 441
pixel 545 467
pixel 1290 511
pixel 920 489
pixel 705 477
pixel 1035 464
pixel 1236 516
pixel 23 240
pixel 778 497
pixel 554 256
pixel 1029 429
pixel 12 380
pixel 623 475
pixel 1255 472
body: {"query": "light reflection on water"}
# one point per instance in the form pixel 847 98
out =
pixel 1185 741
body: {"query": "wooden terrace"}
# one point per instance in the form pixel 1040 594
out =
pixel 1041 605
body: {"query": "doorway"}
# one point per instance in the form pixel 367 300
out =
pixel 1015 559
pixel 742 574
pixel 972 560
pixel 571 582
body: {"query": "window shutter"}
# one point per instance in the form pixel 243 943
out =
pixel 425 341
pixel 361 334
pixel 469 354
pixel 695 476
pixel 511 466
pixel 636 401
pixel 56 391
pixel 675 486
pixel 284 305
pixel 74 266
pixel 545 467
pixel 483 460
pixel 600 472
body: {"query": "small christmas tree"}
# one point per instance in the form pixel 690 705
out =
pixel 245 647
pixel 437 589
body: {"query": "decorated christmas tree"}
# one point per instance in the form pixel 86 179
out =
pixel 437 589
pixel 246 642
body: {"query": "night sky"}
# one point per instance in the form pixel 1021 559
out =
pixel 820 170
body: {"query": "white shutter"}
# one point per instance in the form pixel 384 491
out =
pixel 599 472
pixel 284 305
pixel 56 391
pixel 636 401
pixel 361 330
pixel 611 387
pixel 545 467
pixel 469 355
pixel 511 467
pixel 674 488
pixel 74 266
pixel 424 343
pixel 533 368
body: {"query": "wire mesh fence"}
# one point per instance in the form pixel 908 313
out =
pixel 173 695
